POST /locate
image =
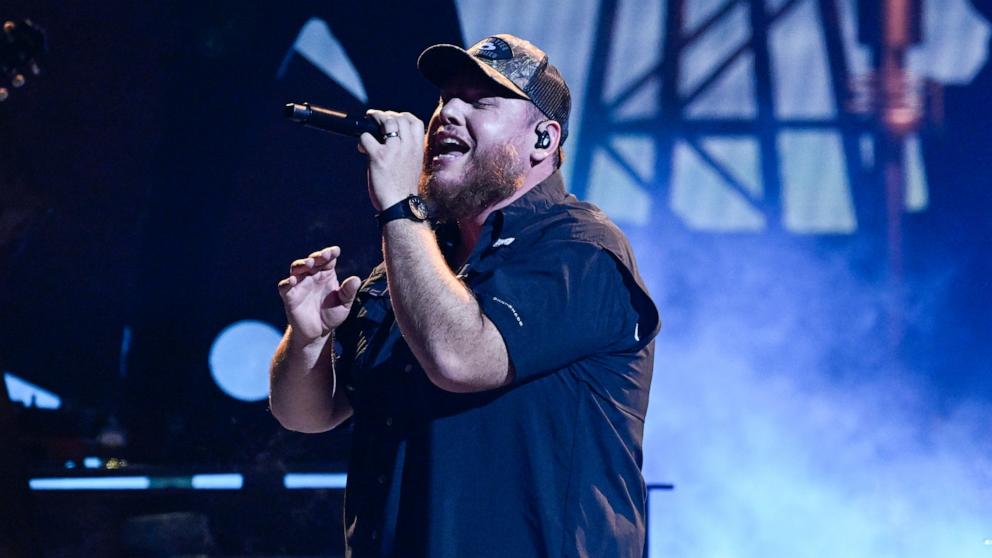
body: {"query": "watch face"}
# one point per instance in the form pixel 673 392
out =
pixel 418 208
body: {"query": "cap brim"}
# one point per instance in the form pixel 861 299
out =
pixel 440 63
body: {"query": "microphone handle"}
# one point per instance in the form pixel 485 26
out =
pixel 330 120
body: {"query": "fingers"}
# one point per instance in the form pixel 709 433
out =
pixel 400 130
pixel 395 164
pixel 368 144
pixel 416 129
pixel 286 284
pixel 381 117
pixel 404 129
pixel 304 266
pixel 326 255
pixel 388 123
pixel 408 126
pixel 344 295
pixel 320 260
pixel 348 289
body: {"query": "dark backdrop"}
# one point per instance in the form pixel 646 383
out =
pixel 175 195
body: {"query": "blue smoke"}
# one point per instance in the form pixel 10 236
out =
pixel 790 428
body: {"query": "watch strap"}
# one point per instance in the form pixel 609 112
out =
pixel 399 210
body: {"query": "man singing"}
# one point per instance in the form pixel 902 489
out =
pixel 497 363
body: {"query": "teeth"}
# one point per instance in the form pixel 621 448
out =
pixel 451 141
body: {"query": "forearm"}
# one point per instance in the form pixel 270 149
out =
pixel 458 347
pixel 302 394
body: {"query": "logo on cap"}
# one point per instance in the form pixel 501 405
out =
pixel 495 48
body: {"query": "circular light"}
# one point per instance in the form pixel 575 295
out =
pixel 240 357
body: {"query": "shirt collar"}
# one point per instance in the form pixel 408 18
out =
pixel 506 221
pixel 540 198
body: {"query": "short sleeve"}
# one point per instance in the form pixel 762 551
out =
pixel 567 302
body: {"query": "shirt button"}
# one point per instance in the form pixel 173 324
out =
pixel 381 479
pixel 389 421
pixel 408 368
pixel 375 534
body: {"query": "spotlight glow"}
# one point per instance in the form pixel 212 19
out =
pixel 240 356
pixel 29 394
pixel 228 481
pixel 94 483
pixel 315 480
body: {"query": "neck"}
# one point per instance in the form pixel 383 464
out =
pixel 469 231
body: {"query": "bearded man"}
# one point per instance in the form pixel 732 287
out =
pixel 496 365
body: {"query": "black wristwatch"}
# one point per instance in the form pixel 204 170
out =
pixel 413 207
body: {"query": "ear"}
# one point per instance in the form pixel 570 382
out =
pixel 547 137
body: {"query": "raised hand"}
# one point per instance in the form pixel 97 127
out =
pixel 315 302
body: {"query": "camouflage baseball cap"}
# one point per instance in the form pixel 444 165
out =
pixel 512 63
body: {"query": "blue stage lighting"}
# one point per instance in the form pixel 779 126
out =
pixel 315 480
pixel 29 394
pixel 240 357
pixel 93 483
pixel 224 481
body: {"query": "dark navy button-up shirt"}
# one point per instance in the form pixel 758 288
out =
pixel 547 466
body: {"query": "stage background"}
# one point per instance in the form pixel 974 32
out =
pixel 819 389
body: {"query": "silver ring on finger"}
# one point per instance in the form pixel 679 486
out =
pixel 388 135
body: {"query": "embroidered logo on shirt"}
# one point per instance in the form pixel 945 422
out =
pixel 503 242
pixel 512 309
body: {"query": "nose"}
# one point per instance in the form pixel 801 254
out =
pixel 452 111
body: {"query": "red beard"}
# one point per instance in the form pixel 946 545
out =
pixel 491 177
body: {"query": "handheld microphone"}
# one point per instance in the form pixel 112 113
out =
pixel 330 120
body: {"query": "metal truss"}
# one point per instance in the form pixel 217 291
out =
pixel 672 124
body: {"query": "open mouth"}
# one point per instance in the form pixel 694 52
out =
pixel 446 148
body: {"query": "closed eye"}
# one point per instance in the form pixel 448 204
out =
pixel 478 99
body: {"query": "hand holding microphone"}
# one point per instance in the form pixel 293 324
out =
pixel 330 120
pixel 396 160
pixel 394 166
